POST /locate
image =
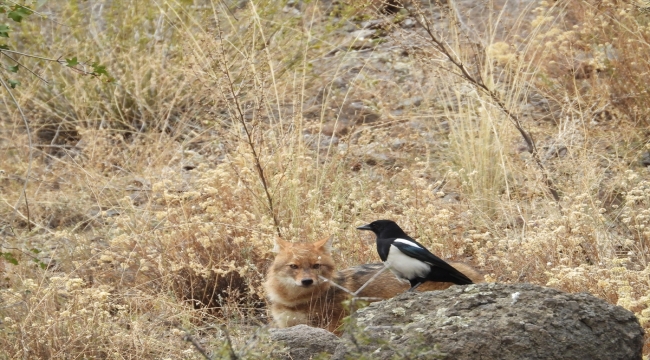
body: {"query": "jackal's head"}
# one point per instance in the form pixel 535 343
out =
pixel 299 269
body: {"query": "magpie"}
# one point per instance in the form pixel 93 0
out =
pixel 408 259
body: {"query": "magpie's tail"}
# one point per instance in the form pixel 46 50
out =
pixel 449 275
pixel 461 279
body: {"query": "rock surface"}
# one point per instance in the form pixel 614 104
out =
pixel 494 321
pixel 305 342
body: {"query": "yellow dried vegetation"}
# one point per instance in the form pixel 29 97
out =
pixel 142 223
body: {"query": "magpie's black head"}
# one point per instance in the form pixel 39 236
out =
pixel 384 228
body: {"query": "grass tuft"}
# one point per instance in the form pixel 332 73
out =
pixel 142 225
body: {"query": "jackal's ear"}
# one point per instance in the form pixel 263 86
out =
pixel 280 245
pixel 325 244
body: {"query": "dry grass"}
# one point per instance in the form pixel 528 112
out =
pixel 153 201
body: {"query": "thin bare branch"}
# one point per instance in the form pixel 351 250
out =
pixel 480 85
pixel 29 222
pixel 370 280
pixel 249 136
pixel 32 56
pixel 189 338
pixel 59 60
pixel 26 68
pixel 231 351
pixel 31 147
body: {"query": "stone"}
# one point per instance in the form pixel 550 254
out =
pixel 493 321
pixel 645 159
pixel 402 68
pixel 556 150
pixel 408 23
pixel 451 198
pixel 304 342
pixel 322 141
pixel 335 128
pixel 410 102
pixel 374 24
pixel 374 155
pixel 357 113
pixel 362 34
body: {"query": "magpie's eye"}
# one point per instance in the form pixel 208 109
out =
pixel 316 266
pixel 293 266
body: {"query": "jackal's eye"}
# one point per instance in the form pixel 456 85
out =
pixel 293 266
pixel 316 266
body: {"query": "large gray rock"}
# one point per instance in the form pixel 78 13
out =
pixel 305 342
pixel 493 321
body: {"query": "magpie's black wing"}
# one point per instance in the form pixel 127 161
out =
pixel 440 270
pixel 383 247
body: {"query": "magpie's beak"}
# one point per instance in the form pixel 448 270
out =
pixel 365 227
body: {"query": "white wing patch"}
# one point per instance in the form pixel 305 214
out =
pixel 408 242
pixel 404 266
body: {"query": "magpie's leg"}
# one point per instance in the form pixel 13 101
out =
pixel 414 287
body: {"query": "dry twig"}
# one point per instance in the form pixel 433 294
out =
pixel 480 85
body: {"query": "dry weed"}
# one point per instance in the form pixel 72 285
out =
pixel 153 201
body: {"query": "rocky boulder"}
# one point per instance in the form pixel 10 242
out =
pixel 304 342
pixel 493 321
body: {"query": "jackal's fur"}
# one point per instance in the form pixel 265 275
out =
pixel 295 300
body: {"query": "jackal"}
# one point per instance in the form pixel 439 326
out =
pixel 299 285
